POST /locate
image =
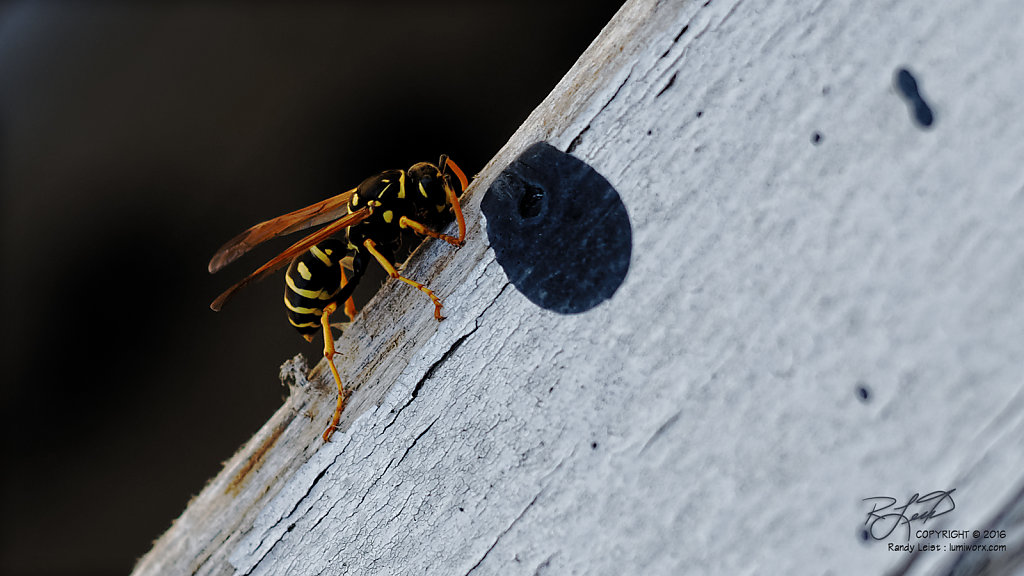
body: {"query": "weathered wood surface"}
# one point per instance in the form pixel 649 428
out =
pixel 798 239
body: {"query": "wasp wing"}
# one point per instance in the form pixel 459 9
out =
pixel 314 215
pixel 292 252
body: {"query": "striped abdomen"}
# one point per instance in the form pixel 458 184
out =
pixel 313 281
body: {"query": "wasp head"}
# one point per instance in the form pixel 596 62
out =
pixel 438 187
pixel 429 182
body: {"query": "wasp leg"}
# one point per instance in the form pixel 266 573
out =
pixel 371 247
pixel 350 305
pixel 424 231
pixel 329 353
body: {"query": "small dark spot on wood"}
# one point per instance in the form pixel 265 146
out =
pixel 461 509
pixel 291 527
pixel 593 445
pixel 648 132
pixel 863 392
pixel 825 90
pixel 865 535
pixel 816 138
pixel 907 87
pixel 700 113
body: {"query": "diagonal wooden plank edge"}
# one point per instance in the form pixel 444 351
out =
pixel 806 442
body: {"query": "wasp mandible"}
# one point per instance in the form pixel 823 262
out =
pixel 372 217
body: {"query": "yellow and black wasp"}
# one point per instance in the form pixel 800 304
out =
pixel 373 217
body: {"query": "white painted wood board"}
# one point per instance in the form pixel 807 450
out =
pixel 708 418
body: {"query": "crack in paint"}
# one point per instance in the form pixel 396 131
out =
pixel 661 430
pixel 579 137
pixel 503 533
pixel 545 481
pixel 444 357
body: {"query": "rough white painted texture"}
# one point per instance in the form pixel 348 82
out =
pixel 706 419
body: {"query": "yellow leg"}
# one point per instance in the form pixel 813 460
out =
pixel 371 246
pixel 329 353
pixel 350 305
pixel 415 226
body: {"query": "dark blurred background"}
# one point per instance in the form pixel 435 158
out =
pixel 134 141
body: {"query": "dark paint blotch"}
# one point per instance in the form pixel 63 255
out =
pixel 559 230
